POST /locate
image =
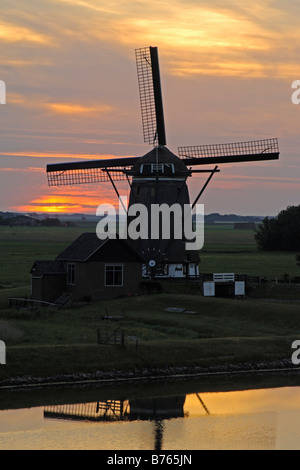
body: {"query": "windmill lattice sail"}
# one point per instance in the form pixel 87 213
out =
pixel 254 150
pixel 99 171
pixel 84 176
pixel 90 171
pixel 150 95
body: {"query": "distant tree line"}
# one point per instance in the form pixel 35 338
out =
pixel 29 221
pixel 50 221
pixel 280 233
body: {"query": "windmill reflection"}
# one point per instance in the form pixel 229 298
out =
pixel 109 410
pixel 156 410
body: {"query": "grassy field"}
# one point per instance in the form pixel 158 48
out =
pixel 51 342
pixel 20 247
pixel 229 250
pixel 225 250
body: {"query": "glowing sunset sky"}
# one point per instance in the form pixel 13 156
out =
pixel 69 67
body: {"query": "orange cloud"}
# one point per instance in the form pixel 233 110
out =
pixel 72 109
pixel 202 38
pixel 239 38
pixel 13 33
pixel 26 170
pixel 76 108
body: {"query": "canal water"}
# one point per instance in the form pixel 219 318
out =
pixel 238 415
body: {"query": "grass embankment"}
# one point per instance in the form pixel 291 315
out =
pixel 47 343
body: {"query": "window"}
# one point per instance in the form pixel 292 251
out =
pixel 71 274
pixel 160 168
pixel 114 275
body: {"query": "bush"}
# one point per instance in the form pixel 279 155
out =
pixel 280 233
pixel 8 332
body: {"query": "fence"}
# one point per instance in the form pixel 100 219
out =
pixel 110 337
pixel 223 277
pixel 28 303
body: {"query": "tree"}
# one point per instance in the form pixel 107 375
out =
pixel 298 260
pixel 50 222
pixel 280 233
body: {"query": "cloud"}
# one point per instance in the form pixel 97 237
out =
pixel 15 33
pixel 201 37
pixel 195 37
pixel 24 170
pixel 76 109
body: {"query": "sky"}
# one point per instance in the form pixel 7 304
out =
pixel 227 69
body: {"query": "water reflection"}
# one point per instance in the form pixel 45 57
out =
pixel 109 410
pixel 153 409
pixel 119 419
pixel 254 419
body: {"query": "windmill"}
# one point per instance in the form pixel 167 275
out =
pixel 160 177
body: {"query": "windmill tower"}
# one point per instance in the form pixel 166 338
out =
pixel 160 177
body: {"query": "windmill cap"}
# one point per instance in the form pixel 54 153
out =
pixel 160 155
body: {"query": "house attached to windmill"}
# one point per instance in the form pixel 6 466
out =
pixel 94 269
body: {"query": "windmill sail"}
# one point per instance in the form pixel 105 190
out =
pixel 98 171
pixel 254 150
pixel 150 95
pixel 91 171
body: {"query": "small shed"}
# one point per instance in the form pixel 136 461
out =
pixel 48 280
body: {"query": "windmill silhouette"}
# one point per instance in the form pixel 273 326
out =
pixel 160 176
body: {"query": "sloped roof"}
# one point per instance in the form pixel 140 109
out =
pixel 48 267
pixel 81 248
pixel 87 246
